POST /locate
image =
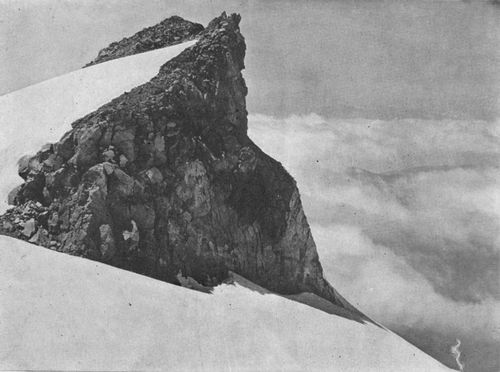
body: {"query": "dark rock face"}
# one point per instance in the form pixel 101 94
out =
pixel 164 180
pixel 170 31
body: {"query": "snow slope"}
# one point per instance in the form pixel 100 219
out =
pixel 42 113
pixel 61 312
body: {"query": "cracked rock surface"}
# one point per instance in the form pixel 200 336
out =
pixel 164 180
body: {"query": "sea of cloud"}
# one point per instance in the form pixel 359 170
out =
pixel 406 217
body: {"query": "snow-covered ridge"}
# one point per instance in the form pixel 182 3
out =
pixel 42 113
pixel 62 312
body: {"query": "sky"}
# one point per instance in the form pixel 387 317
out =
pixel 386 113
pixel 370 59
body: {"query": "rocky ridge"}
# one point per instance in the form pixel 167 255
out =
pixel 164 180
pixel 170 31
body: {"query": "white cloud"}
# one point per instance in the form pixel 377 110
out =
pixel 384 285
pixel 406 217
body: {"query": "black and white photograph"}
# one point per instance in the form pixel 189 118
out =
pixel 250 185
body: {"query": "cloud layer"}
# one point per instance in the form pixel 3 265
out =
pixel 406 217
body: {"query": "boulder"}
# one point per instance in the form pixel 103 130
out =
pixel 28 227
pixel 11 197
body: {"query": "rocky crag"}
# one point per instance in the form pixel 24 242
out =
pixel 164 179
pixel 170 31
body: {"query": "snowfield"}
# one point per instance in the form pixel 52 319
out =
pixel 42 113
pixel 60 312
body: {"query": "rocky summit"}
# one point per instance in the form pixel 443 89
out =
pixel 171 31
pixel 164 180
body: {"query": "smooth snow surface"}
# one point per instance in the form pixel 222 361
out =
pixel 61 312
pixel 42 113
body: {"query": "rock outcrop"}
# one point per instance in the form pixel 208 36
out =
pixel 170 31
pixel 164 180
